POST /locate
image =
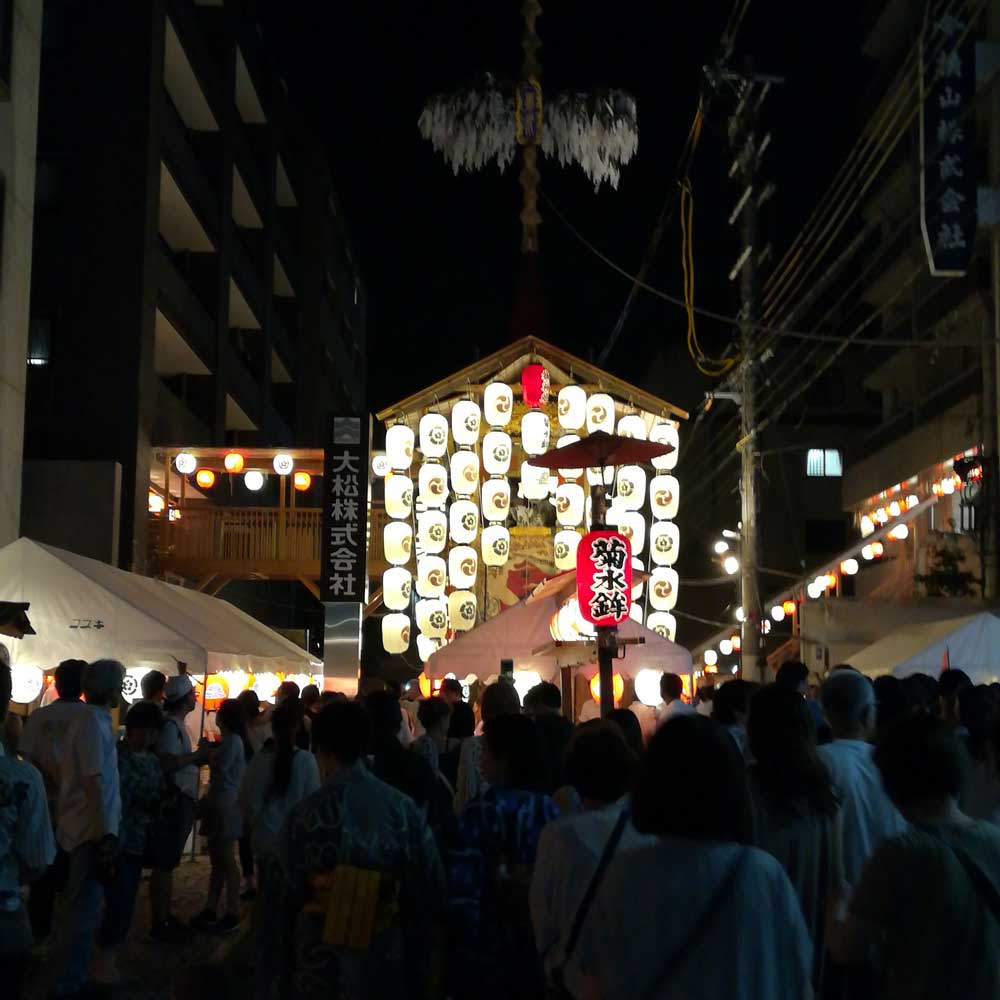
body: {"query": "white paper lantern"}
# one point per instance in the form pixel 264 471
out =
pixel 495 543
pixel 396 633
pixel 595 477
pixel 635 612
pixel 253 480
pixel 497 450
pixel 632 525
pixel 600 413
pixel 27 682
pixel 399 446
pixel 463 564
pixel 132 684
pixel 432 617
pixel 433 435
pixel 665 434
pixel 632 426
pixel 565 546
pixel 432 576
pixel 427 647
pixel 463 521
pixel 498 404
pixel 647 686
pixel 185 463
pixel 465 422
pixel 380 464
pixel 568 625
pixel 663 584
pixel 399 496
pixel 664 497
pixel 664 542
pixel 462 610
pixel 534 482
pixel 432 483
pixel 565 440
pixel 637 587
pixel 396 586
pixel 398 542
pixel 465 472
pixel 663 623
pixel 631 490
pixel 283 464
pixel 572 407
pixel 496 499
pixel 535 432
pixel 569 504
pixel 432 531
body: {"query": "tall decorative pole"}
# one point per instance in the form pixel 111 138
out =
pixel 529 123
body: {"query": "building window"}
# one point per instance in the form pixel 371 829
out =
pixel 824 462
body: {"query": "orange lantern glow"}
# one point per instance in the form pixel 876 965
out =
pixel 234 462
pixel 216 692
pixel 737 642
pixel 302 481
pixel 617 687
pixel 877 549
pixel 205 478
pixel 428 688
pixel 831 580
pixel 789 607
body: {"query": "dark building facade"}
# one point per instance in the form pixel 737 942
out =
pixel 192 282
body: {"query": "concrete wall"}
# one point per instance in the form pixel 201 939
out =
pixel 18 131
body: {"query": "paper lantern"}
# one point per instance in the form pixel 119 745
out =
pixel 265 685
pixel 462 610
pixel 569 502
pixel 432 576
pixel 132 683
pixel 205 478
pixel 495 544
pixel 711 657
pixel 497 451
pixel 496 499
pixel 27 682
pixel 663 624
pixel 396 633
pixel 399 496
pixel 216 692
pixel 233 462
pixel 595 476
pixel 463 564
pixel 463 522
pixel 534 482
pixel 572 407
pixel 432 531
pixel 465 472
pixel 498 404
pixel 567 439
pixel 432 484
pixel 564 547
pixel 380 465
pixel 664 542
pixel 302 481
pixel 604 577
pixel 283 464
pixel 396 587
pixel 465 422
pixel 638 584
pixel 631 524
pixel 399 446
pixel 186 463
pixel 535 385
pixel 433 435
pixel 426 648
pixel 617 687
pixel 568 625
pixel 647 687
pixel 397 541
pixel 632 426
pixel 535 432
pixel 665 434
pixel 631 490
pixel 663 584
pixel 155 504
pixel 600 413
pixel 253 480
pixel 664 497
pixel 432 617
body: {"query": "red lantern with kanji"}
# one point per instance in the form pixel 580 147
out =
pixel 535 386
pixel 604 577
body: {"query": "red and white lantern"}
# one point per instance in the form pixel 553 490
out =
pixel 604 577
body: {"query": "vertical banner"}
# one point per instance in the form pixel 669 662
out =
pixel 948 211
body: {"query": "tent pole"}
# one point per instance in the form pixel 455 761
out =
pixel 201 736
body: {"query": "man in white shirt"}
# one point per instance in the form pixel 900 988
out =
pixel 869 817
pixel 87 827
pixel 671 690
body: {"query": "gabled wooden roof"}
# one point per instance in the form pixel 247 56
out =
pixel 506 365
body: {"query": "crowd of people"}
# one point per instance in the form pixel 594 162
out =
pixel 767 842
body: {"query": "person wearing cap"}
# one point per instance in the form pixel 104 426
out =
pixel 180 763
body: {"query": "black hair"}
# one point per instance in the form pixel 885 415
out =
pixel 890 700
pixel 144 715
pixel 286 721
pixel 385 714
pixel 432 712
pixel 732 699
pixel 500 699
pixel 230 715
pixel 921 757
pixel 453 685
pixel 342 729
pixel 463 721
pixel 952 683
pixel 516 741
pixel 286 690
pixel 69 679
pixel 628 724
pixel 921 692
pixel 671 686
pixel 792 674
pixel 599 763
pixel 721 809
pixel 783 742
pixel 975 712
pixel 151 685
pixel 544 695
pixel 249 703
pixel 6 683
pixel 310 695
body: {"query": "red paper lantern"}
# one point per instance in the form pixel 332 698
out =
pixel 604 577
pixel 535 386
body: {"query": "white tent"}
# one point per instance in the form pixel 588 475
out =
pixel 971 644
pixel 85 609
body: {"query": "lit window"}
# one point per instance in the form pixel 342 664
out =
pixel 824 462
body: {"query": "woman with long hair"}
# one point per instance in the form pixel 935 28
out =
pixel 796 813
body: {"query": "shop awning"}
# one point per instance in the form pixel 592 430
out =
pixel 85 609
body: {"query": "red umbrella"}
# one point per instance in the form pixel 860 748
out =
pixel 600 449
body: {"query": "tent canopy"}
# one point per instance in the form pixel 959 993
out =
pixel 971 644
pixel 521 633
pixel 85 609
